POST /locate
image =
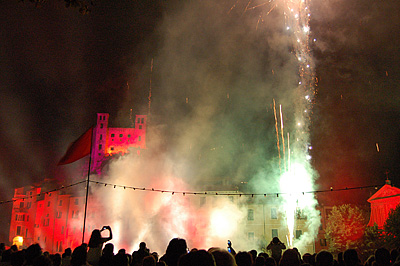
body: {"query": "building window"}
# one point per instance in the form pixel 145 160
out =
pixel 322 242
pixel 60 203
pixel 101 136
pixel 250 215
pixel 140 138
pixel 112 148
pixel 101 117
pixel 48 204
pixel 273 213
pixel 29 205
pixel 138 120
pixel 27 218
pixel 140 126
pixel 100 146
pixel 112 135
pixel 16 217
pixel 121 135
pixel 298 234
pixel 250 236
pixel 62 230
pixel 21 204
pixel 18 230
pixel 129 135
pixel 101 125
pixel 104 117
pixel 274 233
pixel 59 214
pixel 59 246
pixel 26 232
pixel 76 201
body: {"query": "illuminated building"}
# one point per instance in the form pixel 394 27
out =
pixel 53 219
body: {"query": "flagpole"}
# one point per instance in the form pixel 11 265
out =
pixel 87 189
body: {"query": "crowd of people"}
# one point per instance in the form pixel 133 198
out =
pixel 99 253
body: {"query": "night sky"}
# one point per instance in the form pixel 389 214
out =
pixel 59 68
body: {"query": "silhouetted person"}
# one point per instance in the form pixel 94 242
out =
pixel 149 261
pixel 107 258
pixel 276 247
pixel 382 257
pixel 42 260
pixel 350 258
pixel 66 257
pixel 32 252
pixel 138 255
pixel 197 258
pixel 121 258
pixel 270 261
pixel 96 242
pixel 79 255
pixel 253 254
pixel 324 258
pixel 259 261
pixel 176 248
pixel 223 257
pixel 56 259
pixel 243 259
pixel 290 258
pixel 17 258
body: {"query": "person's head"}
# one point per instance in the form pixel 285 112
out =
pixel 79 255
pixel 95 238
pixel 290 258
pixel 197 258
pixel 223 257
pixel 382 257
pixel 275 240
pixel 67 252
pixel 155 255
pixel 253 254
pixel 270 261
pixel 324 258
pixel 32 252
pixel 108 249
pixel 307 258
pixel 259 261
pixel 350 257
pixel 142 245
pixel 243 259
pixel 177 246
pixel 149 261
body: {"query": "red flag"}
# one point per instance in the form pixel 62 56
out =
pixel 78 149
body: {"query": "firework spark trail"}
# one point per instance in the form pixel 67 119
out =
pixel 277 137
pixel 297 16
pixel 283 139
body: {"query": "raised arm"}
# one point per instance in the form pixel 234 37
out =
pixel 105 239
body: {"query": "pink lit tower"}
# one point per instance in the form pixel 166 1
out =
pixel 116 141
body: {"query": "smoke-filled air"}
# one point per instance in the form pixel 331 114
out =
pixel 232 86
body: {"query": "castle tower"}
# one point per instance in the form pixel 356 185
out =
pixel 99 142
